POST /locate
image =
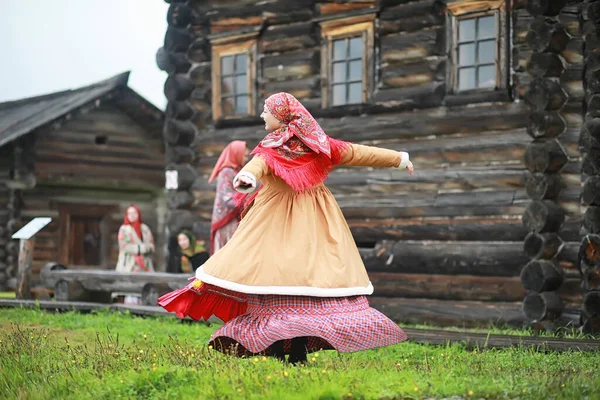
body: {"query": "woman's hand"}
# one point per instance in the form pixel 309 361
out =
pixel 243 182
pixel 410 168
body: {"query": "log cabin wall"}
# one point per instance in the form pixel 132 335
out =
pixel 590 146
pixel 453 231
pixel 92 168
pixel 5 160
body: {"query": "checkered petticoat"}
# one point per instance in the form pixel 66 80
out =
pixel 346 324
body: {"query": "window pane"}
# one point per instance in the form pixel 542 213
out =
pixel 242 84
pixel 487 76
pixel 466 54
pixel 240 64
pixel 227 85
pixel 356 47
pixel 242 105
pixel 339 72
pixel 339 49
pixel 486 27
pixel 355 70
pixel 227 65
pixel 466 79
pixel 466 30
pixel 355 93
pixel 339 94
pixel 227 106
pixel 487 52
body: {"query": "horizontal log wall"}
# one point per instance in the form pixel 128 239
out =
pixel 470 185
pixel 5 160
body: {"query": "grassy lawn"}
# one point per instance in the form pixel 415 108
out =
pixel 7 295
pixel 112 355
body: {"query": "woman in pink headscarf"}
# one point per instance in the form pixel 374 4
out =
pixel 226 213
pixel 291 279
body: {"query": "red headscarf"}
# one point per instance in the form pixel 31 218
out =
pixel 137 225
pixel 232 157
pixel 300 152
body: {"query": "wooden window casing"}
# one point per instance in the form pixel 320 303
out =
pixel 242 77
pixel 344 33
pixel 475 12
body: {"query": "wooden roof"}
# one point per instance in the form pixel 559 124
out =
pixel 20 117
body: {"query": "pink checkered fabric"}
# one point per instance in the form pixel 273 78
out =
pixel 346 324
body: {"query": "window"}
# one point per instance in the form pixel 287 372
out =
pixel 347 61
pixel 478 46
pixel 233 78
pixel 84 233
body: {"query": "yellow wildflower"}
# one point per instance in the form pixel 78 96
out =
pixel 285 373
pixel 197 284
pixel 470 393
pixel 324 372
pixel 268 377
pixel 416 389
pixel 349 394
pixel 141 351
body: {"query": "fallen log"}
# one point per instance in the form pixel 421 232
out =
pixel 546 306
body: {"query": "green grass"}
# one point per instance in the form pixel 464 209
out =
pixel 7 295
pixel 112 355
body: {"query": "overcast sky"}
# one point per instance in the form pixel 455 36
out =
pixel 53 45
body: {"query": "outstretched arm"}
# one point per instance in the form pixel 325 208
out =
pixel 246 180
pixel 359 155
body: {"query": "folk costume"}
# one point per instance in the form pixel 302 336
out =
pixel 194 256
pixel 291 276
pixel 226 213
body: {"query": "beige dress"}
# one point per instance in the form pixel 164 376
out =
pixel 292 243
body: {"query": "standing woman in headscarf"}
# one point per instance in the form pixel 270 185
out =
pixel 291 279
pixel 136 246
pixel 226 214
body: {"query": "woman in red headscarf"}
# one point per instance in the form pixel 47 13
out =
pixel 136 246
pixel 291 279
pixel 226 213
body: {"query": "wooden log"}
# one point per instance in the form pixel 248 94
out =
pixel 541 186
pixel 179 15
pixel 172 63
pixel 179 199
pixel 590 164
pixel 289 37
pixel 180 155
pixel 590 195
pixel 180 110
pixel 591 219
pixel 465 258
pixel 179 133
pixel 547 156
pixel 177 39
pixel 592 128
pixel 591 325
pixel 370 231
pixel 447 287
pixel 186 175
pixel 542 245
pixel 591 303
pixel 448 313
pixel 587 141
pixel 152 291
pixel 70 291
pixel 545 95
pixel 409 17
pixel 546 124
pixel 24 271
pixel 547 36
pixel 178 87
pixel 46 276
pixel 541 276
pixel 198 51
pixel 548 8
pixel 590 10
pixel 545 306
pixel 543 216
pixel 547 65
pixel 593 107
pixel 589 250
pixel 179 220
pixel 591 278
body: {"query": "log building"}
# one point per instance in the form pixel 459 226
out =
pixel 496 101
pixel 81 157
